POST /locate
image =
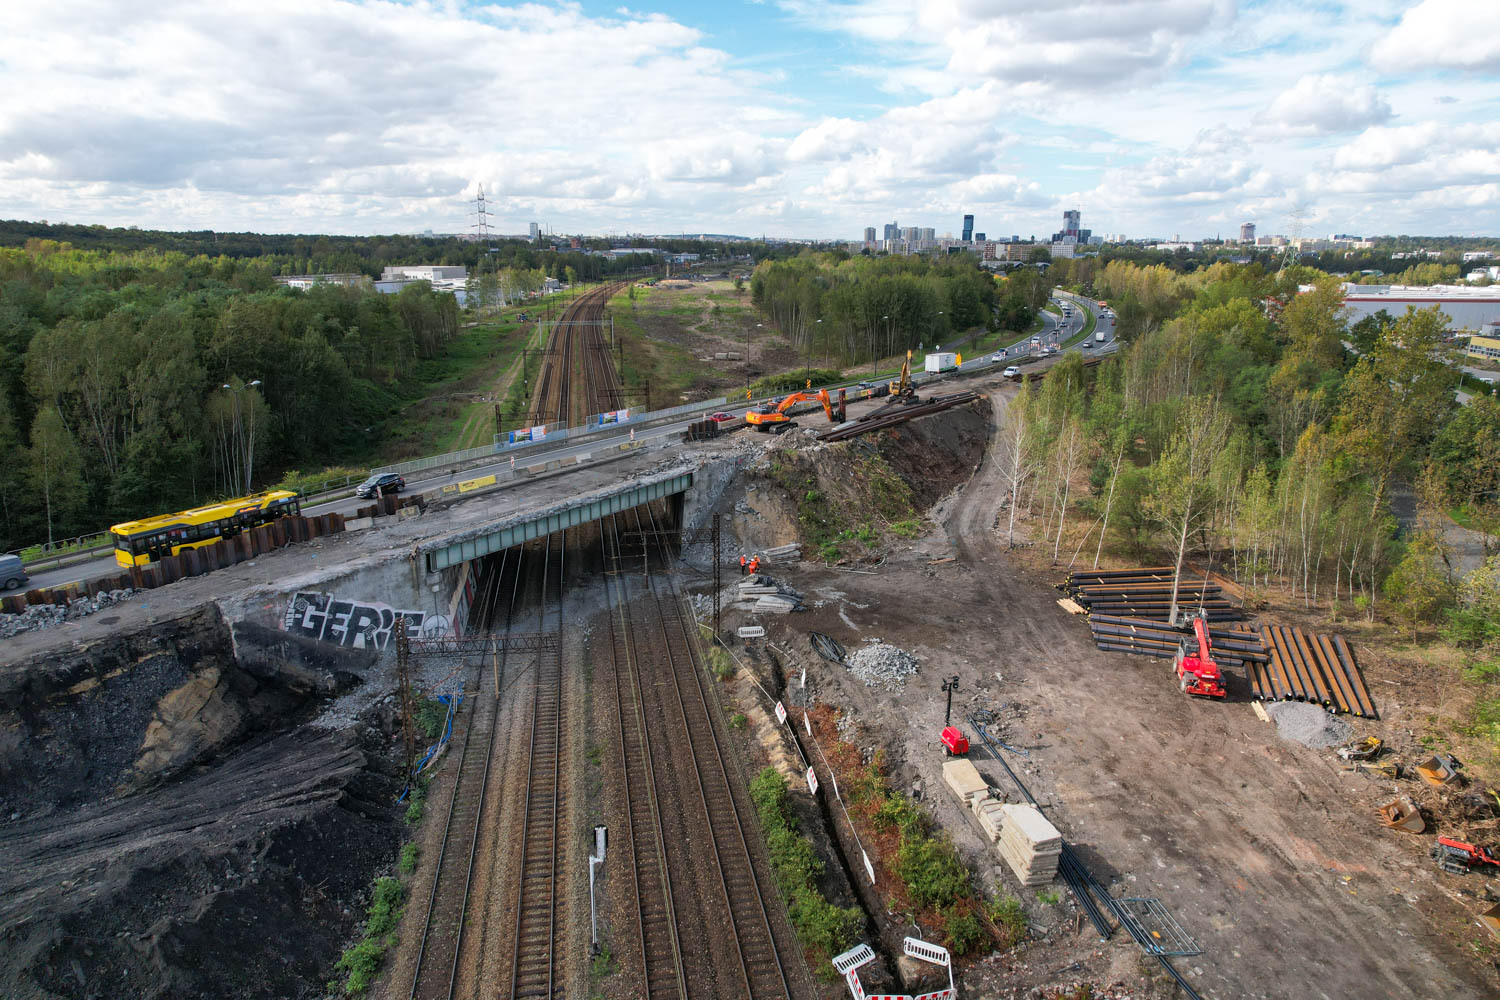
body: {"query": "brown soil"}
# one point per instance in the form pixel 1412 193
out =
pixel 1265 851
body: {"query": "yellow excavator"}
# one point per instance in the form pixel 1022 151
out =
pixel 902 390
pixel 772 418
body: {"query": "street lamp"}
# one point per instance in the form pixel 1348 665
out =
pixel 247 440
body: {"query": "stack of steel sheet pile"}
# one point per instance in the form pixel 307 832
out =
pixel 1147 593
pixel 1306 666
pixel 1128 614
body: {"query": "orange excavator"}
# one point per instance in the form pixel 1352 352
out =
pixel 773 419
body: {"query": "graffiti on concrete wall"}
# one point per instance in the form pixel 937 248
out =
pixel 356 624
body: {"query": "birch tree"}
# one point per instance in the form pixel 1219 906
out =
pixel 1179 495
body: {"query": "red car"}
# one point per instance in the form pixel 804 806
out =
pixel 721 416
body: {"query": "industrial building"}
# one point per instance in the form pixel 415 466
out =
pixel 1466 308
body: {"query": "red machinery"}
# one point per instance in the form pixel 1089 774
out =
pixel 1458 857
pixel 955 743
pixel 1197 673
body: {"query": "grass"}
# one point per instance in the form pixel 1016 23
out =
pixel 879 502
pixel 361 961
pixel 1089 323
pixel 822 927
pixel 719 663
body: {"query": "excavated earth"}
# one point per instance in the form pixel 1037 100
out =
pixel 1264 850
pixel 170 829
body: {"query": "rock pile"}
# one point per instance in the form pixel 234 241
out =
pixel 40 616
pixel 881 665
pixel 1308 724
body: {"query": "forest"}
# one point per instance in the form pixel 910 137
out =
pixel 125 378
pixel 847 310
pixel 1239 429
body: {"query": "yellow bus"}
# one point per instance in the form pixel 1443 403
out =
pixel 140 542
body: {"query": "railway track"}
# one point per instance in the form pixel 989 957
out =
pixel 537 969
pixel 578 377
pixel 650 885
pixel 444 931
pixel 720 850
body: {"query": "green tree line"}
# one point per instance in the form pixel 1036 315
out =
pixel 113 368
pixel 1236 428
pixel 846 309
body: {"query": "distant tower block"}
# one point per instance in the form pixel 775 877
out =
pixel 536 231
pixel 1247 232
pixel 968 229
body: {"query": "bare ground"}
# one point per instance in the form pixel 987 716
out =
pixel 1263 850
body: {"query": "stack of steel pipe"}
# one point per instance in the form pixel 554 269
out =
pixel 1148 637
pixel 1306 666
pixel 1147 593
pixel 895 413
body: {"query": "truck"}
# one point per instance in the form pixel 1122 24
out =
pixel 943 361
pixel 1099 337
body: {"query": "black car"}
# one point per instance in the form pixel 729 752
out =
pixel 380 485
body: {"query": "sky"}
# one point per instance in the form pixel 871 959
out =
pixel 786 118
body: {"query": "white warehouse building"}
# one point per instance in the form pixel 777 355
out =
pixel 1467 308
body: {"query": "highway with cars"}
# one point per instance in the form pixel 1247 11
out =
pixel 1056 331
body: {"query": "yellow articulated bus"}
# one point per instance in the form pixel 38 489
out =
pixel 140 542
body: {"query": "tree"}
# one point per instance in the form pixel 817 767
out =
pixel 1018 463
pixel 56 470
pixel 1180 490
pixel 1418 588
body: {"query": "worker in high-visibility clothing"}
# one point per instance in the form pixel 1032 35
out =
pixel 754 564
pixel 743 561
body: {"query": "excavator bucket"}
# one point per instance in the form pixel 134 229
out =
pixel 1491 919
pixel 1438 770
pixel 1402 814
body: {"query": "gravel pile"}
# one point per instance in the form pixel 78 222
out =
pixel 1308 724
pixel 880 665
pixel 39 616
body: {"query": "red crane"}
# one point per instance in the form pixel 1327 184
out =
pixel 1197 673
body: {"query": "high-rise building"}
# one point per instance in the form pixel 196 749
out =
pixel 1247 232
pixel 536 231
pixel 927 235
pixel 869 234
pixel 910 234
pixel 978 237
pixel 1071 233
pixel 892 231
pixel 968 229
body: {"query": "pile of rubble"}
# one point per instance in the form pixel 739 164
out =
pixel 770 595
pixel 1308 724
pixel 40 616
pixel 881 665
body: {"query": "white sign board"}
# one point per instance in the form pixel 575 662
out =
pixel 869 868
pixel 812 781
pixel 781 713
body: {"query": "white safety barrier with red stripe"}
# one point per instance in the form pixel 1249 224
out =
pixel 849 963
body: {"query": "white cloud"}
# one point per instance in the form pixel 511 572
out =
pixel 1455 34
pixel 1326 103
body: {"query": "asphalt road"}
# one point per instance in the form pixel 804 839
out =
pixel 1055 330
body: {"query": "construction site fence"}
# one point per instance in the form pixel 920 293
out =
pixel 547 435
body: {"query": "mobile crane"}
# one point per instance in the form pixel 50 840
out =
pixel 773 419
pixel 1197 673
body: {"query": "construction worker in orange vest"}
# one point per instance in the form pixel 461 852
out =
pixel 743 560
pixel 754 564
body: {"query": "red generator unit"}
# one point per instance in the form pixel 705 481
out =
pixel 955 743
pixel 1197 673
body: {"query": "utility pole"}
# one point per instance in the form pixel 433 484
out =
pixel 403 681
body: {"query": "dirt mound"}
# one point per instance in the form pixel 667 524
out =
pixel 853 500
pixel 243 881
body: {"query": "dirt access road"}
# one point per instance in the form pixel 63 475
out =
pixel 1257 846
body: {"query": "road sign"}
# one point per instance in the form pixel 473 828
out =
pixel 780 713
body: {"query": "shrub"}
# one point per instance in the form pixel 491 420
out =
pixel 408 862
pixel 719 663
pixel 820 925
pixel 931 870
pixel 416 802
pixel 737 720
pixel 361 961
pixel 431 716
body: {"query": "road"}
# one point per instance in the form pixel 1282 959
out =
pixel 1056 329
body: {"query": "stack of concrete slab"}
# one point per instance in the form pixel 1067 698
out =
pixel 1030 845
pixel 783 553
pixel 769 596
pixel 965 780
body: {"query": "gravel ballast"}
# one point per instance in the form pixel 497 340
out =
pixel 1308 724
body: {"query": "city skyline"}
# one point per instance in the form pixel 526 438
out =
pixel 791 118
